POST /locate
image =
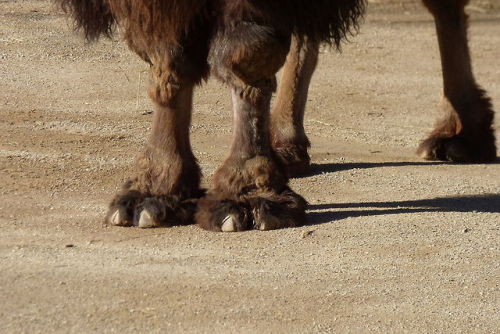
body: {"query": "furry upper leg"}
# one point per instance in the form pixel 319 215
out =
pixel 248 54
pixel 167 165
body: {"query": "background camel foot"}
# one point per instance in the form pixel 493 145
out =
pixel 294 158
pixel 466 132
pixel 457 148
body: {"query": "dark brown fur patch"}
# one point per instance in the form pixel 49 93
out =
pixel 93 16
pixel 322 20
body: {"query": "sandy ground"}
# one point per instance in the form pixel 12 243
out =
pixel 395 244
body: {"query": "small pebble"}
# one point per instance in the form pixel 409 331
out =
pixel 307 233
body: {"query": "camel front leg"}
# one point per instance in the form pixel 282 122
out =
pixel 288 136
pixel 250 190
pixel 465 134
pixel 165 188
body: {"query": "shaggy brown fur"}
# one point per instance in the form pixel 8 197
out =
pixel 166 21
pixel 244 43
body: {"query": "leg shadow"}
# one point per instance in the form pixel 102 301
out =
pixel 317 169
pixel 488 203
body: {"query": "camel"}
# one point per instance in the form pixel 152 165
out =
pixel 244 43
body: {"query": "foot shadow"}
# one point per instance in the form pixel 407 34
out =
pixel 488 203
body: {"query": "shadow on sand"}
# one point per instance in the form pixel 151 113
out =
pixel 317 169
pixel 488 203
pixel 473 203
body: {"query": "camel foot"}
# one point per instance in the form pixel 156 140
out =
pixel 132 208
pixel 260 211
pixel 294 159
pixel 458 149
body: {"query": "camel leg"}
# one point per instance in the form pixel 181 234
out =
pixel 250 190
pixel 465 134
pixel 288 137
pixel 165 189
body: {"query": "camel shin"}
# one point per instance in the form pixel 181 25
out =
pixel 166 186
pixel 287 118
pixel 465 133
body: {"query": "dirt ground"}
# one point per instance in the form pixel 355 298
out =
pixel 395 244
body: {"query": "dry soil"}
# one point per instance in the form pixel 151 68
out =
pixel 395 244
